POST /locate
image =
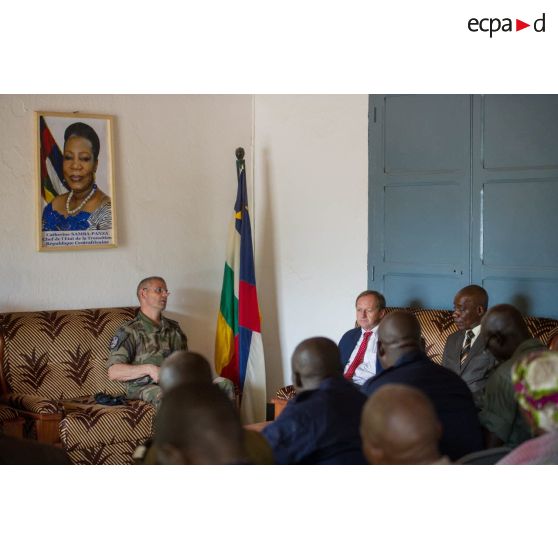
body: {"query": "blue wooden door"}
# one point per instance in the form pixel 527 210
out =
pixel 464 189
pixel 420 197
pixel 515 187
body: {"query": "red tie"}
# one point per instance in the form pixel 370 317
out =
pixel 357 361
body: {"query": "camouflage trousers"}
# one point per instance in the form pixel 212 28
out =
pixel 151 393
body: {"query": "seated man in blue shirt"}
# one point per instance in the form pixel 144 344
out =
pixel 404 362
pixel 320 426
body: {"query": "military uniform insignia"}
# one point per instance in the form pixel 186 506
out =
pixel 117 340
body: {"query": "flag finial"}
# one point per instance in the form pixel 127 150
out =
pixel 239 153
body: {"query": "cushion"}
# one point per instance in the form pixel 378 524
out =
pixel 60 354
pixel 114 454
pixel 7 414
pixel 89 426
pixel 31 403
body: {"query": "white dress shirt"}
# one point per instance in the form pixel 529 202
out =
pixel 367 367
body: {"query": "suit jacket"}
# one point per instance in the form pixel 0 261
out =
pixel 348 343
pixel 475 367
pixel 453 401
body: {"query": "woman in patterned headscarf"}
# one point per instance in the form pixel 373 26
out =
pixel 535 380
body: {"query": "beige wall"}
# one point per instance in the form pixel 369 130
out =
pixel 175 186
pixel 311 188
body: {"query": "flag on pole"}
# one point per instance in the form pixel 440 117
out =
pixel 239 352
pixel 52 176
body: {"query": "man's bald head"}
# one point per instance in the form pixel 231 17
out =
pixel 398 334
pixel 399 426
pixel 313 361
pixel 197 424
pixel 504 329
pixel 184 367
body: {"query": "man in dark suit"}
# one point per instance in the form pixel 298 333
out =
pixel 404 362
pixel 320 426
pixel 464 350
pixel 358 346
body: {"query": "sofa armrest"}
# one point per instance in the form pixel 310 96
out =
pixel 278 406
pixel 35 404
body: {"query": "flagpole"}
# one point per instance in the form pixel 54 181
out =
pixel 239 152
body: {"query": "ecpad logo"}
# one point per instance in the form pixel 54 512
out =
pixel 493 25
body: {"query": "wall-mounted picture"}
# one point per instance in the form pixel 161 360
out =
pixel 75 176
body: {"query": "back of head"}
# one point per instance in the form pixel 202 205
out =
pixel 505 329
pixel 535 380
pixel 313 361
pixel 399 426
pixel 184 367
pixel 399 333
pixel 197 424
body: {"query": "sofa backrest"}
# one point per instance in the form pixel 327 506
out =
pixel 438 325
pixel 59 354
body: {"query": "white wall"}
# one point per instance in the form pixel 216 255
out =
pixel 175 188
pixel 311 190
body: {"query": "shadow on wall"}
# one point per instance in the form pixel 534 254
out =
pixel 199 320
pixel 267 287
pixel 522 303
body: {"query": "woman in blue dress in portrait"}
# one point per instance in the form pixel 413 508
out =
pixel 85 206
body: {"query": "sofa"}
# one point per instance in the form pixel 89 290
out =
pixel 52 364
pixel 436 326
pixel 11 422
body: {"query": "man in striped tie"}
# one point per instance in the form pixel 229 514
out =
pixel 464 351
pixel 358 345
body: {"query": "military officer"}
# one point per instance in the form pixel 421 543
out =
pixel 140 345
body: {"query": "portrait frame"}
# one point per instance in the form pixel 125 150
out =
pixel 76 207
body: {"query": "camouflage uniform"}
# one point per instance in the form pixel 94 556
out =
pixel 141 341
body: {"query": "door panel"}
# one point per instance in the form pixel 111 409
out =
pixel 420 197
pixel 519 131
pixel 515 200
pixel 464 189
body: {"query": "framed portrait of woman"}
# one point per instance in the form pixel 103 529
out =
pixel 75 175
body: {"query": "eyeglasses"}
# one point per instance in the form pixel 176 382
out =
pixel 158 290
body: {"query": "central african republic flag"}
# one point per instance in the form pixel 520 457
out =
pixel 239 352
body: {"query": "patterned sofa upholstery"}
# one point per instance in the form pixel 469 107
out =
pixel 11 422
pixel 436 327
pixel 51 366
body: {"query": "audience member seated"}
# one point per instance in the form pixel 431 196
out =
pixel 188 368
pixel 320 425
pixel 184 367
pixel 464 350
pixel 18 451
pixel 404 362
pixel 399 426
pixel 535 381
pixel 358 346
pixel 198 425
pixel 140 346
pixel 509 340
